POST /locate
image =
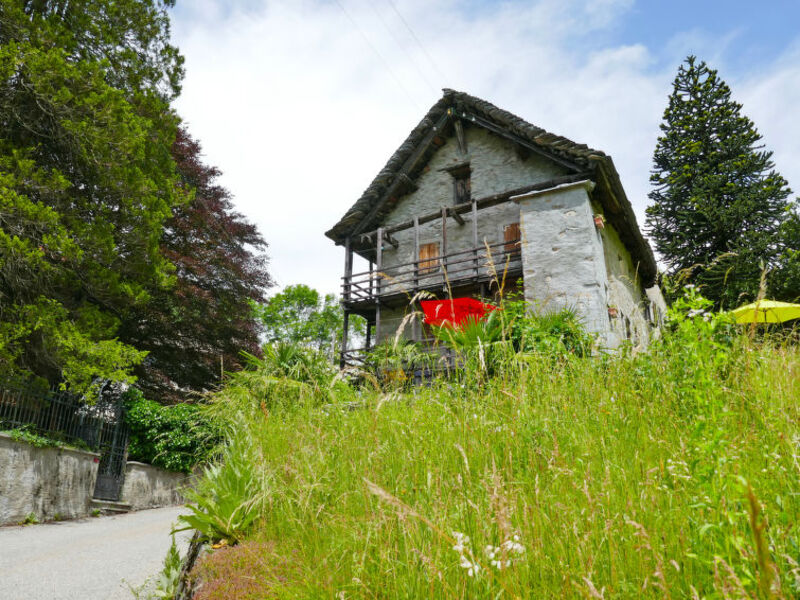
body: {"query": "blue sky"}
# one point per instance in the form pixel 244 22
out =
pixel 756 32
pixel 301 102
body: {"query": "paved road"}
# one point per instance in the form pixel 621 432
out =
pixel 90 559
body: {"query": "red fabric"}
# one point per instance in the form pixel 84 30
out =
pixel 455 312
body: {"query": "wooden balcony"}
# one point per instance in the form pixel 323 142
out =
pixel 486 264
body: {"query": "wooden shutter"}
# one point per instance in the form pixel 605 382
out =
pixel 511 238
pixel 428 257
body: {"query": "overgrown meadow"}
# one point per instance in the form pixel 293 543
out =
pixel 529 473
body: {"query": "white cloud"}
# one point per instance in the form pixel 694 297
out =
pixel 300 109
pixel 770 98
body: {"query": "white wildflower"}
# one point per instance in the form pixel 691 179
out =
pixel 500 557
pixel 466 562
pixel 462 541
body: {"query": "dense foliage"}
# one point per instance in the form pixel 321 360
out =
pixel 301 315
pixel 86 180
pixel 718 203
pixel 484 346
pixel 658 475
pixel 172 437
pixel 119 254
pixel 785 281
pixel 197 328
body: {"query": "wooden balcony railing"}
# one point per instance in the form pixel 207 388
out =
pixel 481 263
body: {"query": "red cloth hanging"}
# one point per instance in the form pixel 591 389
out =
pixel 455 312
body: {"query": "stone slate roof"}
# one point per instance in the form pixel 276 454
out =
pixel 392 181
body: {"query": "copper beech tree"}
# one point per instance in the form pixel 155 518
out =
pixel 198 327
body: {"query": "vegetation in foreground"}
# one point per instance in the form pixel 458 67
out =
pixel 669 474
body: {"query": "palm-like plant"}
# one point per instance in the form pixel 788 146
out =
pixel 229 497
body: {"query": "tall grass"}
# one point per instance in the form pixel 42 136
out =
pixel 672 474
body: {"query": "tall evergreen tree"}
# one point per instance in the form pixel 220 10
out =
pixel 718 203
pixel 86 180
pixel 784 282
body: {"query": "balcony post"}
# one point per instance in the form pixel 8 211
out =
pixel 475 237
pixel 443 247
pixel 378 267
pixel 416 254
pixel 378 260
pixel 348 269
pixel 348 277
pixel 345 328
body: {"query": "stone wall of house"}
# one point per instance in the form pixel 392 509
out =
pixel 562 255
pixel 50 483
pixel 626 295
pixel 147 486
pixel 496 167
pixel 567 260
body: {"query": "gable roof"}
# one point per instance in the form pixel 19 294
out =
pixel 397 176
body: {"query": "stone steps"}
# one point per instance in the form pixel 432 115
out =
pixel 108 507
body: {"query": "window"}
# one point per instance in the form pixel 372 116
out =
pixel 512 238
pixel 428 258
pixel 462 187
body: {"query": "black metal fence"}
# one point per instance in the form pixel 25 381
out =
pixel 62 416
pixel 54 414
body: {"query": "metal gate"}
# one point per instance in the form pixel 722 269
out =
pixel 113 450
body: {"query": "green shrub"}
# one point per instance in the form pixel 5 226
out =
pixel 549 333
pixel 230 495
pixel 167 583
pixel 172 437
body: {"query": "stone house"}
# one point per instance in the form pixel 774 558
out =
pixel 477 199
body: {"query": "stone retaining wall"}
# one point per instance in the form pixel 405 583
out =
pixel 147 486
pixel 51 483
pixel 57 483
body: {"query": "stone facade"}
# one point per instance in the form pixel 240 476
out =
pixel 578 244
pixel 562 254
pixel 495 167
pixel 567 260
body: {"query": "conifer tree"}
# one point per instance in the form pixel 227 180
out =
pixel 718 203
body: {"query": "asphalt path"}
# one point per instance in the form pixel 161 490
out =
pixel 89 559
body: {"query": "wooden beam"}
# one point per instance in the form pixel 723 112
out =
pixel 406 185
pixel 443 248
pixel 346 327
pixel 523 142
pixel 406 168
pixel 377 323
pixel 370 278
pixel 475 235
pixel 378 259
pixel 485 202
pixel 386 236
pixel 348 270
pixel 416 252
pixel 378 267
pixel 457 216
pixel 462 140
